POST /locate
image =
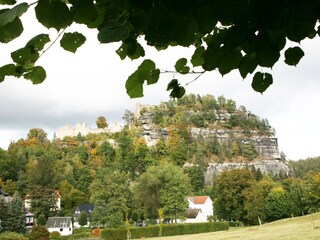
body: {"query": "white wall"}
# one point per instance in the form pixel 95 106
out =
pixel 65 231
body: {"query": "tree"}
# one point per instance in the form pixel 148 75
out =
pixel 83 219
pixel 17 217
pixel 4 212
pixel 254 204
pixel 173 198
pixel 277 204
pixel 196 176
pixel 164 186
pixel 101 122
pixel 37 134
pixel 128 117
pixel 41 220
pixel 243 35
pixel 12 215
pixel 229 189
pixel 110 194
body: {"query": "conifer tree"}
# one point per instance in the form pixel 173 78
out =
pixel 83 219
pixel 16 219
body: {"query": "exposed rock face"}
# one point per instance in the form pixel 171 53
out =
pixel 266 146
pixel 271 167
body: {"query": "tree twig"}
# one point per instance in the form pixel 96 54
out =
pixel 200 74
pixel 53 42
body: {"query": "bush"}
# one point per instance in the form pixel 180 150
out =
pixel 114 233
pixel 55 235
pixel 38 233
pixel 145 232
pixel 12 236
pixel 96 232
pixel 167 230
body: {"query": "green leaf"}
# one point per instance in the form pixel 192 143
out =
pixel 38 42
pixel 181 66
pixel 36 75
pixel 7 2
pixel 131 49
pixel 24 56
pixel 177 90
pixel 293 56
pixel 145 72
pixel 11 31
pixel 114 34
pixel 72 41
pixel 7 70
pixel 197 58
pixel 248 65
pixel 8 15
pixel 298 30
pixel 261 81
pixel 212 57
pixel 229 62
pixel 267 55
pixel 53 14
pixel 84 12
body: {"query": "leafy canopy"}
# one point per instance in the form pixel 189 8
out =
pixel 225 34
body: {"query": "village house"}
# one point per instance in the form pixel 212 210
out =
pixel 200 208
pixel 63 225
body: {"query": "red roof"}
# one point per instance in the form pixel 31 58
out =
pixel 198 199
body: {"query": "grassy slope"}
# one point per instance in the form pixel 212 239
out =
pixel 298 228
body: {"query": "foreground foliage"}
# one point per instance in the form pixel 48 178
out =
pixel 225 35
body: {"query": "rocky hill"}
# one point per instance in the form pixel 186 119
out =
pixel 247 140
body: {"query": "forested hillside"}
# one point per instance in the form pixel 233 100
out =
pixel 154 162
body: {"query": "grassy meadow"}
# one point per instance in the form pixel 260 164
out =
pixel 298 228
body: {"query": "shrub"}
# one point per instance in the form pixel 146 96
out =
pixel 114 233
pixel 145 232
pixel 167 230
pixel 38 233
pixel 54 235
pixel 12 236
pixel 96 232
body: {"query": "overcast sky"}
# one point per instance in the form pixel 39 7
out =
pixel 82 86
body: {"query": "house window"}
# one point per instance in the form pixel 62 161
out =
pixel 70 229
pixel 61 229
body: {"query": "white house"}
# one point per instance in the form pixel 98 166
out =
pixel 200 208
pixel 63 225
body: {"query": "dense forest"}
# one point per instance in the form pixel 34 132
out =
pixel 123 175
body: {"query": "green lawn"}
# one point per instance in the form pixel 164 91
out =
pixel 298 228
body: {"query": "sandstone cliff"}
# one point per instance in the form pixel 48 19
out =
pixel 268 158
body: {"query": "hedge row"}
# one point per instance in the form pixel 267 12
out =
pixel 167 230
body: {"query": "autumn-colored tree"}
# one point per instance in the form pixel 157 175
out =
pixel 101 122
pixel 38 134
